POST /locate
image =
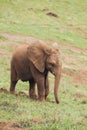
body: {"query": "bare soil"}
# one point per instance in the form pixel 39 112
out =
pixel 10 126
pixel 13 125
pixel 20 93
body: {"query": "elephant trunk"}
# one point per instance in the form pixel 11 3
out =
pixel 56 84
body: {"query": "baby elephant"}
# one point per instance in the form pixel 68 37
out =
pixel 32 62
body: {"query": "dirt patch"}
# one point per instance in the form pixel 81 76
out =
pixel 21 125
pixel 3 90
pixel 77 77
pixel 79 95
pixel 36 121
pixel 18 37
pixel 52 14
pixel 80 78
pixel 20 93
pixel 9 126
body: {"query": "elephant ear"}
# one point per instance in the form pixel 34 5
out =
pixel 36 56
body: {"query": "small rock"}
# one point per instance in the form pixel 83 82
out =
pixel 52 14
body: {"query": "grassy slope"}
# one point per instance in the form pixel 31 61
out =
pixel 29 18
pixel 70 28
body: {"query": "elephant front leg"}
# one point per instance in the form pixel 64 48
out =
pixel 46 87
pixel 41 89
pixel 32 90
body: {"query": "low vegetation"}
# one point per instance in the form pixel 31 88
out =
pixel 63 22
pixel 31 18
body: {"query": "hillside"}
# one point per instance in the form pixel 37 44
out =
pixel 35 18
pixel 60 21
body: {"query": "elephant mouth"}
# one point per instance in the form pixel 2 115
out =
pixel 53 73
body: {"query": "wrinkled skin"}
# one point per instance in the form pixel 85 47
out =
pixel 32 62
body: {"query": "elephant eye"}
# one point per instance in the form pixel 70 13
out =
pixel 52 64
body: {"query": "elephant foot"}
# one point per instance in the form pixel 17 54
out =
pixel 13 92
pixel 42 99
pixel 33 96
pixel 46 97
pixel 57 102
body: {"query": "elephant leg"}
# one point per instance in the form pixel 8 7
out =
pixel 32 91
pixel 41 89
pixel 13 80
pixel 46 87
pixel 39 79
pixel 12 86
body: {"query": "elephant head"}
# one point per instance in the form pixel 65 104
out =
pixel 44 57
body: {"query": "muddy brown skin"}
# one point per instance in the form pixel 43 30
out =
pixel 32 62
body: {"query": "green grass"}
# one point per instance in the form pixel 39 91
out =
pixel 70 114
pixel 29 18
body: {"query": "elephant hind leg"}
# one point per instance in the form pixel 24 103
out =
pixel 13 79
pixel 32 90
pixel 12 86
